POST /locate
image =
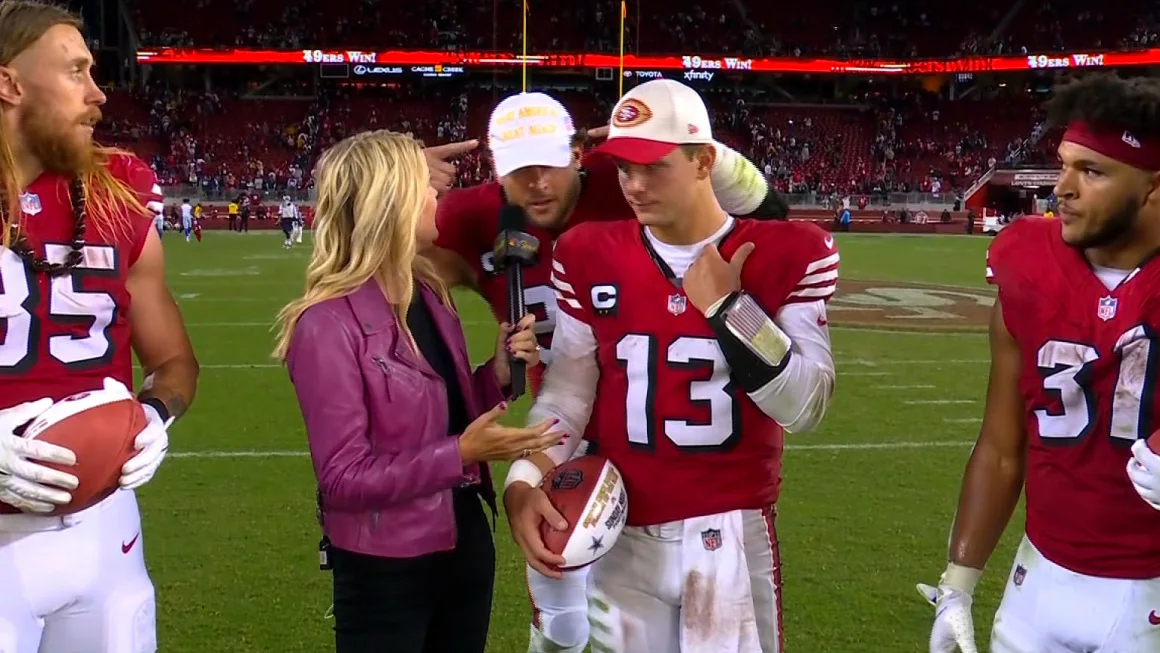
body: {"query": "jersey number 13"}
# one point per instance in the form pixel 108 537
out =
pixel 643 362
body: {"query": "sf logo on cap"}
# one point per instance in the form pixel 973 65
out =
pixel 631 113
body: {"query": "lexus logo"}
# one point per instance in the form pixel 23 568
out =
pixel 360 70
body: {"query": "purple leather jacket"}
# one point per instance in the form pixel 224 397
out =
pixel 376 417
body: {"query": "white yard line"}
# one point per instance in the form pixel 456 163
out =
pixel 938 402
pixel 862 362
pixel 487 324
pixel 849 446
pixel 921 386
pixel 906 361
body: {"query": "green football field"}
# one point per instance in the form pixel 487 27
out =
pixel 230 533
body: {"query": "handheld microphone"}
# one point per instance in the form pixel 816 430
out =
pixel 514 249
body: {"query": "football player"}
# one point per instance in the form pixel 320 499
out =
pixel 684 358
pixel 536 151
pixel 78 244
pixel 1071 398
pixel 186 219
pixel 288 214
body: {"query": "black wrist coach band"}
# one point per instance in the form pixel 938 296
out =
pixel 157 405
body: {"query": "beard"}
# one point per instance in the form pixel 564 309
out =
pixel 1116 229
pixel 67 151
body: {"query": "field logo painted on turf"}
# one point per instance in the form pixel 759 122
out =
pixel 894 304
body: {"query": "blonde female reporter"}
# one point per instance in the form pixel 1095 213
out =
pixel 400 427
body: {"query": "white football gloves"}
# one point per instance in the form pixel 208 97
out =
pixel 954 627
pixel 152 444
pixel 24 483
pixel 1144 471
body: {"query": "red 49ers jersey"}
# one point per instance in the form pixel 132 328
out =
pixel 468 222
pixel 1091 361
pixel 667 413
pixel 63 335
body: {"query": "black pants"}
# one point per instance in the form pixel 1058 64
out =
pixel 437 603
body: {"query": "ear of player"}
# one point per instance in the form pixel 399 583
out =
pixel 63 457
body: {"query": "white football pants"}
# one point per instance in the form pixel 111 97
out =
pixel 699 585
pixel 1049 609
pixel 76 584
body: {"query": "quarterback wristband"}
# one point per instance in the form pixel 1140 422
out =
pixel 961 578
pixel 756 349
pixel 523 470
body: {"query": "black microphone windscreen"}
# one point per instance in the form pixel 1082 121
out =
pixel 512 218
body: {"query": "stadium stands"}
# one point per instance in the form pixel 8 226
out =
pixel 223 144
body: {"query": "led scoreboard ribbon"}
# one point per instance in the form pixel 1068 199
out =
pixel 715 63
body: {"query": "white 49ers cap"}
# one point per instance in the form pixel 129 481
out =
pixel 653 119
pixel 530 129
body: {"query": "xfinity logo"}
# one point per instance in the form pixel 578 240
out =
pixel 704 75
pixel 377 70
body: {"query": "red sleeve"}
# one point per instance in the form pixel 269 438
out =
pixel 999 254
pixel 814 268
pixel 568 275
pixel 143 181
pixel 462 217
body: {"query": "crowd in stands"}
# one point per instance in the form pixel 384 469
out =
pixel 911 142
pixel 840 28
pixel 227 145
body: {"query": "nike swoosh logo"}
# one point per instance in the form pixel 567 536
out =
pixel 126 547
pixel 1154 618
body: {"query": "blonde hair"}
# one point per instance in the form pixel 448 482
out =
pixel 372 191
pixel 23 23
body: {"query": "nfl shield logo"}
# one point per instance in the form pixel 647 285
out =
pixel 677 304
pixel 1107 308
pixel 1020 574
pixel 30 203
pixel 711 539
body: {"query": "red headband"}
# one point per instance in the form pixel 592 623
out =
pixel 1123 146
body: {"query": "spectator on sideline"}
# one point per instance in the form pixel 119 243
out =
pixel 400 428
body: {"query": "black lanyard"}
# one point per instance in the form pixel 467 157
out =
pixel 660 261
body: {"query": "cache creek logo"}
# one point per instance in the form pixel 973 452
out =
pixel 898 305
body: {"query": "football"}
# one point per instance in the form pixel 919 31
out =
pixel 589 493
pixel 100 427
pixel 1154 442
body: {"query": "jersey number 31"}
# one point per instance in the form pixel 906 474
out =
pixel 1068 367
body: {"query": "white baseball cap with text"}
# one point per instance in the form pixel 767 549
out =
pixel 655 118
pixel 530 129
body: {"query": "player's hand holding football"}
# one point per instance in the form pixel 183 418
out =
pixel 487 440
pixel 1144 471
pixel 24 483
pixel 519 343
pixel 151 444
pixel 712 278
pixel 954 626
pixel 442 168
pixel 527 507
